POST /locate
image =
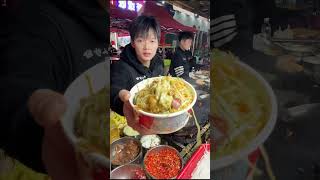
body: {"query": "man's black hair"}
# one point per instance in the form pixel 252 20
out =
pixel 141 26
pixel 185 35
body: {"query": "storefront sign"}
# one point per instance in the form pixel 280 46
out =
pixel 131 5
pixel 123 40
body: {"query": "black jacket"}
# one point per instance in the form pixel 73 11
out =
pixel 48 46
pixel 181 63
pixel 127 72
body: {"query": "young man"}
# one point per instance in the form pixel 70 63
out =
pixel 182 58
pixel 231 26
pixel 138 61
pixel 50 43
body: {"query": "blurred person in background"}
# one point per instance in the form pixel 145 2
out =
pixel 181 63
pixel 112 50
pixel 169 54
pixel 237 20
pixel 121 48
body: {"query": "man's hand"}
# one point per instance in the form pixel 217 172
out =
pixel 47 107
pixel 131 114
pixel 58 155
pixel 124 95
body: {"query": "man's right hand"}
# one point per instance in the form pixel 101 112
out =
pixel 131 114
pixel 58 154
pixel 46 107
pixel 124 95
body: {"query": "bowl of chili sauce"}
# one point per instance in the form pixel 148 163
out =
pixel 162 162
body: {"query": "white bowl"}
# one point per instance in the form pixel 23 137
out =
pixel 265 132
pixel 135 89
pixel 163 123
pixel 78 89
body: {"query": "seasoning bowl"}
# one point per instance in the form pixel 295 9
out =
pixel 157 149
pixel 127 171
pixel 146 144
pixel 149 141
pixel 125 141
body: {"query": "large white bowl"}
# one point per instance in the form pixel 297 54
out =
pixel 163 123
pixel 78 89
pixel 265 132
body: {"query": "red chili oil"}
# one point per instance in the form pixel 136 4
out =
pixel 164 164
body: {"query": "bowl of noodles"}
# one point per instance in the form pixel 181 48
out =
pixel 85 121
pixel 163 103
pixel 243 109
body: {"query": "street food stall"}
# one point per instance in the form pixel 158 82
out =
pixel 182 135
pixel 179 146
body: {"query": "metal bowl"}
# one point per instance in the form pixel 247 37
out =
pixel 157 149
pixel 126 171
pixel 125 140
pixel 162 123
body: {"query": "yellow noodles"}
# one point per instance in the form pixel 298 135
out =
pixel 239 100
pixel 164 95
pixel 91 121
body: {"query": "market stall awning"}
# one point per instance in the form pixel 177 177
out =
pixel 120 18
pixel 165 19
pixel 119 13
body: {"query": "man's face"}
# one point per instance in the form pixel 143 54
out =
pixel 186 44
pixel 146 46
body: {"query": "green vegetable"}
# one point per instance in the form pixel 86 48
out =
pixel 127 130
pixel 91 120
pixel 17 171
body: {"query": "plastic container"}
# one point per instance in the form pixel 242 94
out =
pixel 266 28
pixel 186 172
